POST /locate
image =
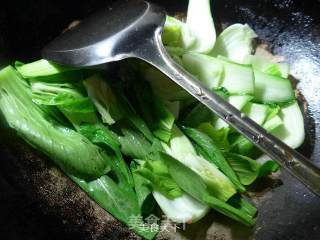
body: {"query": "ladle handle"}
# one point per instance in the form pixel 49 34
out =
pixel 298 165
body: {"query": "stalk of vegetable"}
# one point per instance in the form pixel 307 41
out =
pixel 40 68
pixel 199 21
pixel 235 43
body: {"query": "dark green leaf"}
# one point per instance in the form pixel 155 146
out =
pixel 131 114
pixel 228 210
pixel 187 179
pixel 153 110
pixel 79 156
pixel 198 114
pixel 219 137
pixel 268 167
pixel 134 144
pixel 102 136
pixel 241 145
pixel 240 203
pixel 246 168
pixel 145 199
pixel 121 202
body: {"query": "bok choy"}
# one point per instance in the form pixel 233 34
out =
pixel 138 144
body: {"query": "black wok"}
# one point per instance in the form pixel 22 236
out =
pixel 38 202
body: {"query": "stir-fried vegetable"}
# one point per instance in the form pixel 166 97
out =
pixel 137 143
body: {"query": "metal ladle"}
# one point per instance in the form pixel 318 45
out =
pixel 132 29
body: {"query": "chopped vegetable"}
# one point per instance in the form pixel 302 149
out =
pixel 116 134
pixel 213 154
pixel 235 43
pixel 199 21
pixel 183 209
pixel 292 131
pixel 207 69
pixel 266 66
pixel 181 148
pixel 177 34
pixel 71 151
pixel 272 89
pixel 40 68
pixel 104 99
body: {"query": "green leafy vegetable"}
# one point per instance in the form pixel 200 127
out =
pixel 55 93
pixel 71 151
pixel 61 77
pixel 182 149
pixel 193 184
pixel 104 99
pixel 257 112
pixel 238 79
pixel 119 201
pixel 144 192
pixel 102 136
pixel 85 119
pixel 157 174
pixel 134 144
pixel 228 210
pixel 240 203
pixel 244 146
pixel 197 115
pixel 214 154
pixel 217 183
pixel 246 169
pixel 183 209
pixel 68 97
pixel 268 167
pixel 219 137
pixel 177 34
pixel 158 118
pixel 185 177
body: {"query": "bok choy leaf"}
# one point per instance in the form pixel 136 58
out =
pixel 121 202
pixel 182 149
pixel 71 151
pixel 193 184
pixel 213 154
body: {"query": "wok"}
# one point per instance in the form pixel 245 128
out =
pixel 38 202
